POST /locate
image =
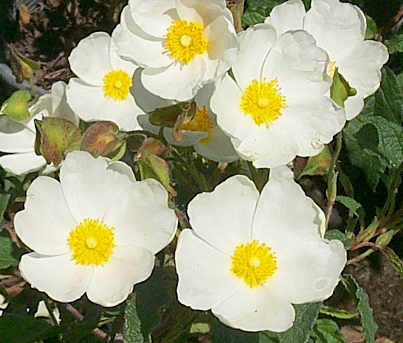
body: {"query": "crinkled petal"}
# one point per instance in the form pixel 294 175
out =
pixel 267 147
pixel 256 309
pixel 90 104
pixel 22 163
pixel 204 12
pixel 335 23
pixel 89 60
pixel 45 223
pixel 223 217
pixel 57 276
pixel 114 281
pixel 89 186
pixel 309 269
pixel 175 82
pixel 136 45
pixel 204 273
pixel 283 208
pixel 287 16
pixel 142 217
pixel 154 16
pixel 256 43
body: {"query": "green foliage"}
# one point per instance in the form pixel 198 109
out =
pixel 132 328
pixel 363 307
pixel 350 203
pixel 225 334
pixel 395 44
pixel 6 257
pixel 327 331
pixel 337 313
pixel 256 11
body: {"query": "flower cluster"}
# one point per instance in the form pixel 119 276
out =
pixel 263 95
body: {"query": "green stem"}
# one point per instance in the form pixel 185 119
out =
pixel 52 316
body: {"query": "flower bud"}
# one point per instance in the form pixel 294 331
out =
pixel 16 106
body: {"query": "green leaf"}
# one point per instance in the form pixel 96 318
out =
pixel 371 30
pixel 78 330
pixel 268 337
pixel 388 98
pixel 225 334
pixel 394 259
pixel 25 329
pixel 365 310
pixel 374 143
pixel 132 327
pixel 327 331
pixel 305 317
pixel 341 236
pixel 4 199
pixel 257 11
pixel 337 313
pixel 6 257
pixel 395 44
pixel 350 203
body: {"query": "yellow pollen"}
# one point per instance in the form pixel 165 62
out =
pixel 91 242
pixel 184 41
pixel 254 263
pixel 117 84
pixel 331 68
pixel 200 122
pixel 263 101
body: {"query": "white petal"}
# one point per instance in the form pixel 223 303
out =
pixel 217 147
pixel 89 60
pixel 45 223
pixel 223 218
pixel 335 24
pixel 287 16
pixel 175 82
pixel 141 216
pixel 89 186
pixel 267 147
pixel 205 279
pixel 22 163
pixel 222 47
pixel 225 103
pixel 308 269
pixel 57 276
pixel 283 208
pixel 90 104
pixel 16 137
pixel 254 43
pixel 256 309
pixel 114 281
pixel 60 108
pixel 134 44
pixel 154 16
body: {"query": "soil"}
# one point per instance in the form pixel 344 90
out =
pixel 55 27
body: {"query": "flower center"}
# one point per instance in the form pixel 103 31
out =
pixel 184 41
pixel 331 68
pixel 200 122
pixel 254 263
pixel 91 242
pixel 117 84
pixel 263 101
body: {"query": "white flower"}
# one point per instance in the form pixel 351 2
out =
pixel 202 132
pixel 250 256
pixel 18 138
pixel 181 44
pixel 3 304
pixel 102 89
pixel 43 312
pixel 95 232
pixel 277 108
pixel 339 29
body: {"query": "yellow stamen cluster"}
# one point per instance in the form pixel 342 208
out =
pixel 263 101
pixel 254 263
pixel 117 85
pixel 184 41
pixel 91 242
